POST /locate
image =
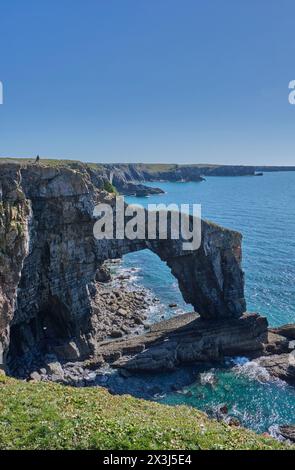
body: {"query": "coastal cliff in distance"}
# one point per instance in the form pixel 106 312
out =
pixel 125 177
pixel 132 178
pixel 124 174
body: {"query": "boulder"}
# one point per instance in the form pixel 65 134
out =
pixel 122 311
pixel 67 351
pixel 35 376
pixel 287 432
pixel 103 274
pixel 116 334
pixel 55 370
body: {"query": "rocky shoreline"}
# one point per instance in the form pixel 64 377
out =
pixel 121 310
pixel 127 344
pixel 164 348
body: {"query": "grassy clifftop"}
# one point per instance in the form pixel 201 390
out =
pixel 38 415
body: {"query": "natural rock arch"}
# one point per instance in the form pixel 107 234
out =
pixel 55 222
pixel 210 278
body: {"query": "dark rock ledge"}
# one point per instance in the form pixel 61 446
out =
pixel 188 338
pixel 184 339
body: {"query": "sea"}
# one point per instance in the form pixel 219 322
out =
pixel 262 208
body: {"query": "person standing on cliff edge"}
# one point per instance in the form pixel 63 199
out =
pixel 37 159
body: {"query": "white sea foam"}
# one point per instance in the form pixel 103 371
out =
pixel 208 378
pixel 237 361
pixel 254 371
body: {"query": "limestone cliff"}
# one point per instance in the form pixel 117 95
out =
pixel 49 260
pixel 15 211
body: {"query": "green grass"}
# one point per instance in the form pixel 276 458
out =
pixel 38 415
pixel 51 162
pixel 163 167
pixel 45 161
pixel 150 167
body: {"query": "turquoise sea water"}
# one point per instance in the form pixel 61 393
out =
pixel 263 210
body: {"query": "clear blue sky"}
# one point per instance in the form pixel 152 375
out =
pixel 148 80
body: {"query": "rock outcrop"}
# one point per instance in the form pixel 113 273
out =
pixel 128 181
pixel 279 353
pixel 50 260
pixel 287 432
pixel 281 366
pixel 185 339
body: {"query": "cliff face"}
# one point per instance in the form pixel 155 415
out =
pixel 124 174
pixel 15 213
pixel 49 260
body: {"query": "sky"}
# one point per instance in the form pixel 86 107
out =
pixel 183 81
